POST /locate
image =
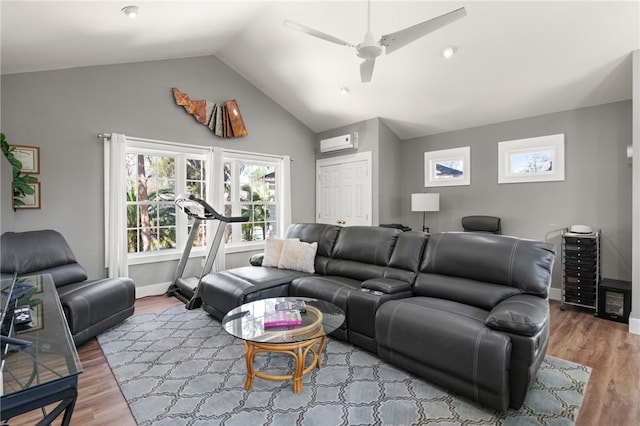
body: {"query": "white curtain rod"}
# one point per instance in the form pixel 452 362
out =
pixel 232 151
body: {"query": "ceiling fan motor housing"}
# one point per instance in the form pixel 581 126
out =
pixel 369 48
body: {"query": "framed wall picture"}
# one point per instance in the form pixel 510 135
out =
pixel 539 159
pixel 31 201
pixel 448 167
pixel 29 156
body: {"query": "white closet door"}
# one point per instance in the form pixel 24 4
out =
pixel 343 190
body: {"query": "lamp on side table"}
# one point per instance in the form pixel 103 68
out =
pixel 425 202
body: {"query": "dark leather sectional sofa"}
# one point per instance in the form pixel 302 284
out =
pixel 467 311
pixel 90 306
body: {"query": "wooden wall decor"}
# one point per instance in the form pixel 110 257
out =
pixel 224 119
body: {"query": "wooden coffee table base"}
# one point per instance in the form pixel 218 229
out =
pixel 298 351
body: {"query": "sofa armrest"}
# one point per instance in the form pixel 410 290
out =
pixel 386 285
pixel 520 314
pixel 256 259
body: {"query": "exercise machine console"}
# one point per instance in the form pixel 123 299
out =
pixel 186 288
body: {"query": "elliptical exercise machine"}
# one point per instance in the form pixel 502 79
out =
pixel 186 288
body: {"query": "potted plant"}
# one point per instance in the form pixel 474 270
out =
pixel 20 181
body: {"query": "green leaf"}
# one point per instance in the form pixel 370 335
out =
pixel 22 188
pixel 21 183
pixel 15 163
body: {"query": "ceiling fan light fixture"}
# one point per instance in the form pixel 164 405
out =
pixel 449 51
pixel 130 11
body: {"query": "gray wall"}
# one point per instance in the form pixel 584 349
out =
pixel 390 175
pixel 596 190
pixel 375 136
pixel 368 140
pixel 63 111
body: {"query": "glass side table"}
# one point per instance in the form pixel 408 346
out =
pixel 46 371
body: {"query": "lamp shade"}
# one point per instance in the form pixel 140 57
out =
pixel 425 202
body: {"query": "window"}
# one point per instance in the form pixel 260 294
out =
pixel 251 190
pixel 154 177
pixel 245 184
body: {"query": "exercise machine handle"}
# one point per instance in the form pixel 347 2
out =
pixel 200 209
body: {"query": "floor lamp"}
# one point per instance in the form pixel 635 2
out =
pixel 424 202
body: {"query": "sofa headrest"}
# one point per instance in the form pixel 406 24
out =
pixel 366 244
pixel 31 251
pixel 325 235
pixel 498 259
pixel 409 250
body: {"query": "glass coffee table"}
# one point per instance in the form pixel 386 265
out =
pixel 308 338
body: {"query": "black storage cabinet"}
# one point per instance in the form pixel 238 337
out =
pixel 580 269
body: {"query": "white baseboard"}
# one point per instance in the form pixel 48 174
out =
pixel 634 325
pixel 152 290
pixel 555 294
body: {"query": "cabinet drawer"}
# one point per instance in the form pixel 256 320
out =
pixel 580 248
pixel 580 267
pixel 580 294
pixel 580 241
pixel 572 261
pixel 577 276
pixel 580 255
pixel 580 301
pixel 580 287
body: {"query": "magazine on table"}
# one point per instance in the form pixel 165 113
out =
pixel 282 318
pixel 298 305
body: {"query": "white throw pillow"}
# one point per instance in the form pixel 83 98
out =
pixel 272 250
pixel 298 256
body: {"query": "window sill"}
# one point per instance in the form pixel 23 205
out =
pixel 156 257
pixel 240 248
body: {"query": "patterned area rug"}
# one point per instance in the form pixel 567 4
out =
pixel 179 367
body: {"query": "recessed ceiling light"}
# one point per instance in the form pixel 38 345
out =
pixel 449 51
pixel 344 90
pixel 130 11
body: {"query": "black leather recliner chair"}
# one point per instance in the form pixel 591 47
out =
pixel 478 321
pixel 90 306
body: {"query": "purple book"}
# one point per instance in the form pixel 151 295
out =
pixel 282 318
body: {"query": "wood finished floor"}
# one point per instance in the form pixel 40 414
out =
pixel 612 397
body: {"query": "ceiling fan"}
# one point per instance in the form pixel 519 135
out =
pixel 370 49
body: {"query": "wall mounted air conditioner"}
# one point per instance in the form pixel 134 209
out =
pixel 338 143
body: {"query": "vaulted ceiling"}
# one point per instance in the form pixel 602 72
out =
pixel 513 59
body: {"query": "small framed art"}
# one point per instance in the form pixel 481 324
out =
pixel 31 201
pixel 447 167
pixel 29 156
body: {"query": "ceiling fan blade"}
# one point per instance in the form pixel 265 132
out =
pixel 395 41
pixel 366 70
pixel 315 33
